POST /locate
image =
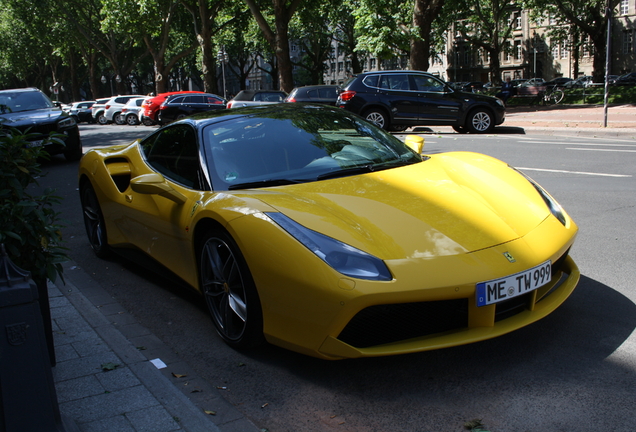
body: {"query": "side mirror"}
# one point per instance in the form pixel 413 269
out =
pixel 155 184
pixel 415 142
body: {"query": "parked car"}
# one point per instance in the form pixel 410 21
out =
pixel 98 108
pixel 178 106
pixel 312 229
pixel 31 111
pixel 130 111
pixel 256 97
pixel 580 82
pixel 558 82
pixel 81 111
pixel 398 99
pixel 151 105
pixel 113 109
pixel 322 94
pixel 533 82
pixel 517 82
pixel 628 79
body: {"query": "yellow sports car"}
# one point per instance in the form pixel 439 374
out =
pixel 311 229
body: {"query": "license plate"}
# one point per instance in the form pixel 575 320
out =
pixel 497 290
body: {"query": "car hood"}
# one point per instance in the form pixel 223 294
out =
pixel 453 203
pixel 29 118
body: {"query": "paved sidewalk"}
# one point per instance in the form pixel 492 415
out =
pixel 113 375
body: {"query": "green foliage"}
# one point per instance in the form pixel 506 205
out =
pixel 29 225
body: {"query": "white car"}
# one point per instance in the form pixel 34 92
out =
pixel 131 111
pixel 113 109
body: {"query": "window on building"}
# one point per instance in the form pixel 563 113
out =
pixel 333 68
pixel 518 50
pixel 518 21
pixel 624 7
pixel 564 49
pixel 372 64
pixel 555 49
pixel 628 41
pixel 340 67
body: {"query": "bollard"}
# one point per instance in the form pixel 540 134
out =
pixel 28 401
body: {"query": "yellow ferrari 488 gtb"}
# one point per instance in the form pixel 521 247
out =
pixel 311 229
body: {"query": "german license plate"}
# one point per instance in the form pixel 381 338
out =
pixel 497 290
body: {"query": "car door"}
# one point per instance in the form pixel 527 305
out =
pixel 395 92
pixel 159 224
pixel 438 104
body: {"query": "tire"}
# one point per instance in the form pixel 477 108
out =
pixel 94 221
pixel 74 150
pixel 119 119
pixel 480 121
pixel 132 120
pixel 147 121
pixel 377 117
pixel 401 128
pixel 102 120
pixel 229 291
pixel 460 129
pixel 556 96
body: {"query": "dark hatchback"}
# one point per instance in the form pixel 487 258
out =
pixel 32 112
pixel 395 100
pixel 178 106
pixel 322 94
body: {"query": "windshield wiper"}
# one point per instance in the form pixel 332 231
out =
pixel 362 169
pixel 266 183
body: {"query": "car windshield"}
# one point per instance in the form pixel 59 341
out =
pixel 23 101
pixel 298 146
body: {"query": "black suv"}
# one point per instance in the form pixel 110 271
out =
pixel 31 111
pixel 178 106
pixel 395 100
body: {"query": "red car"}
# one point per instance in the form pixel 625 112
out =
pixel 151 105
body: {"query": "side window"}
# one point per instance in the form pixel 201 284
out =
pixel 178 100
pixel 313 94
pixel 371 81
pixel 395 82
pixel 428 84
pixel 174 153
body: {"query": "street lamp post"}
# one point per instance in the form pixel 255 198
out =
pixel 222 57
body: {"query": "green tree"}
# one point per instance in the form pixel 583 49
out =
pixel 277 34
pixel 484 24
pixel 588 17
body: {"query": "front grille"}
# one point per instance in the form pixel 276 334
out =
pixel 382 324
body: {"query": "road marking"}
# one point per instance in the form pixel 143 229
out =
pixel 603 150
pixel 574 172
pixel 581 144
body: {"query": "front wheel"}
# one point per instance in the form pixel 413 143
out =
pixel 555 96
pixel 377 117
pixel 102 120
pixel 480 121
pixel 119 119
pixel 94 221
pixel 229 291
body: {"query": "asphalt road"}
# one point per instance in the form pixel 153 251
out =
pixel 573 371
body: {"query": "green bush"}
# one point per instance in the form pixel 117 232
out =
pixel 29 226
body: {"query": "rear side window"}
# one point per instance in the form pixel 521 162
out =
pixel 395 82
pixel 371 81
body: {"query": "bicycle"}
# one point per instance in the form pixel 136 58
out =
pixel 552 96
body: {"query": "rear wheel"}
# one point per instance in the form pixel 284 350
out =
pixel 378 117
pixel 94 221
pixel 131 120
pixel 480 121
pixel 229 291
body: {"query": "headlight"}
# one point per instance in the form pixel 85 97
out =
pixel 66 123
pixel 340 256
pixel 555 207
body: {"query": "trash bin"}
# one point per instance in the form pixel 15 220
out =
pixel 28 400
